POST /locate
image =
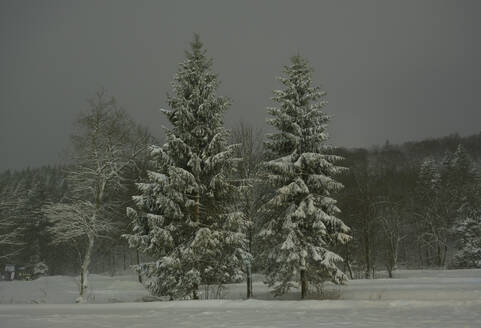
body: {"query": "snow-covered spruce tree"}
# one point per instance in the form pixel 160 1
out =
pixel 430 212
pixel 469 242
pixel 185 218
pixel 299 223
pixel 460 185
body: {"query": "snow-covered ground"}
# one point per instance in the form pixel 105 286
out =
pixel 412 299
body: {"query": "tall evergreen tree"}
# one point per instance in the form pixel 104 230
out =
pixel 430 217
pixel 185 219
pixel 300 226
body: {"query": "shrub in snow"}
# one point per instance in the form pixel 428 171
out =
pixel 40 269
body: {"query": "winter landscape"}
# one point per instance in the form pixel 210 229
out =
pixel 413 298
pixel 321 184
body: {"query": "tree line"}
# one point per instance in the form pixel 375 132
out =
pixel 407 205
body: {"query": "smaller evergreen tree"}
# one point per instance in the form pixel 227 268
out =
pixel 460 185
pixel 430 213
pixel 299 223
pixel 469 245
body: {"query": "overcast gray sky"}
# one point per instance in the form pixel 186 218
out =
pixel 397 70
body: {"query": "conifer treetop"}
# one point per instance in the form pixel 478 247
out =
pixel 299 105
pixel 196 112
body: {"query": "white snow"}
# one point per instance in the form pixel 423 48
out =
pixel 64 290
pixel 417 298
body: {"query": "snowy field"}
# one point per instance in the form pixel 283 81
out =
pixel 412 299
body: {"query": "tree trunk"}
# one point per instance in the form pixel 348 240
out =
pixel 367 253
pixel 439 257
pixel 444 255
pixel 249 266
pixel 392 260
pixel 138 262
pixel 114 269
pixel 250 285
pixel 389 270
pixel 249 280
pixel 195 294
pixel 124 255
pixel 85 267
pixel 82 282
pixel 347 263
pixel 303 284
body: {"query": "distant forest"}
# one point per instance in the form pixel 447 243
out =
pixel 406 205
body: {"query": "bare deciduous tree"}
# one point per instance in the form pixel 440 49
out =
pixel 250 158
pixel 11 242
pixel 106 146
pixel 80 224
pixel 390 220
